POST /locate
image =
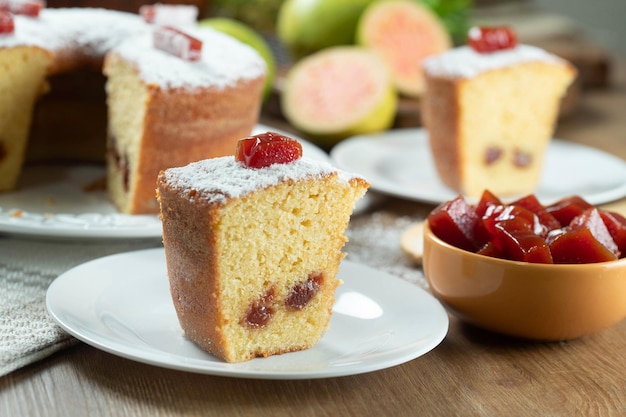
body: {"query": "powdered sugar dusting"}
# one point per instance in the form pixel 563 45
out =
pixel 464 62
pixel 93 30
pixel 374 240
pixel 218 179
pixel 224 61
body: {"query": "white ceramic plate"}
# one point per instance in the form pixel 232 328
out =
pixel 399 162
pixel 121 304
pixel 51 201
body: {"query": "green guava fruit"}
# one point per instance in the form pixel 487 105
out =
pixel 403 33
pixel 249 36
pixel 339 92
pixel 307 26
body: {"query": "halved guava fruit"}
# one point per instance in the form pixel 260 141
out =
pixel 403 32
pixel 339 92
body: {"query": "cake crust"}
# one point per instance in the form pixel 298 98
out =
pixel 189 257
pixel 440 108
pixel 252 266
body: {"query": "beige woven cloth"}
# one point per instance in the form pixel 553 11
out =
pixel 27 267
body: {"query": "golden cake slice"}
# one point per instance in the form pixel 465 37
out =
pixel 490 116
pixel 253 253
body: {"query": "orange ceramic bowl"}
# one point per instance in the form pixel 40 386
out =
pixel 533 301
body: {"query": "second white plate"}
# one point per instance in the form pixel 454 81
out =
pixel 122 305
pixel 399 162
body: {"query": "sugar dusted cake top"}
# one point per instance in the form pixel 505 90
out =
pixel 91 29
pixel 224 61
pixel 220 179
pixel 464 62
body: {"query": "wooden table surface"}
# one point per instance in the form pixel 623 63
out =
pixel 471 373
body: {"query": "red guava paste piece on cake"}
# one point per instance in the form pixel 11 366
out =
pixel 169 14
pixel 586 240
pixel 177 43
pixel 531 203
pixel 616 225
pixel 454 222
pixel 267 148
pixel 7 26
pixel 484 39
pixel 566 209
pixel 29 8
pixel 518 242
